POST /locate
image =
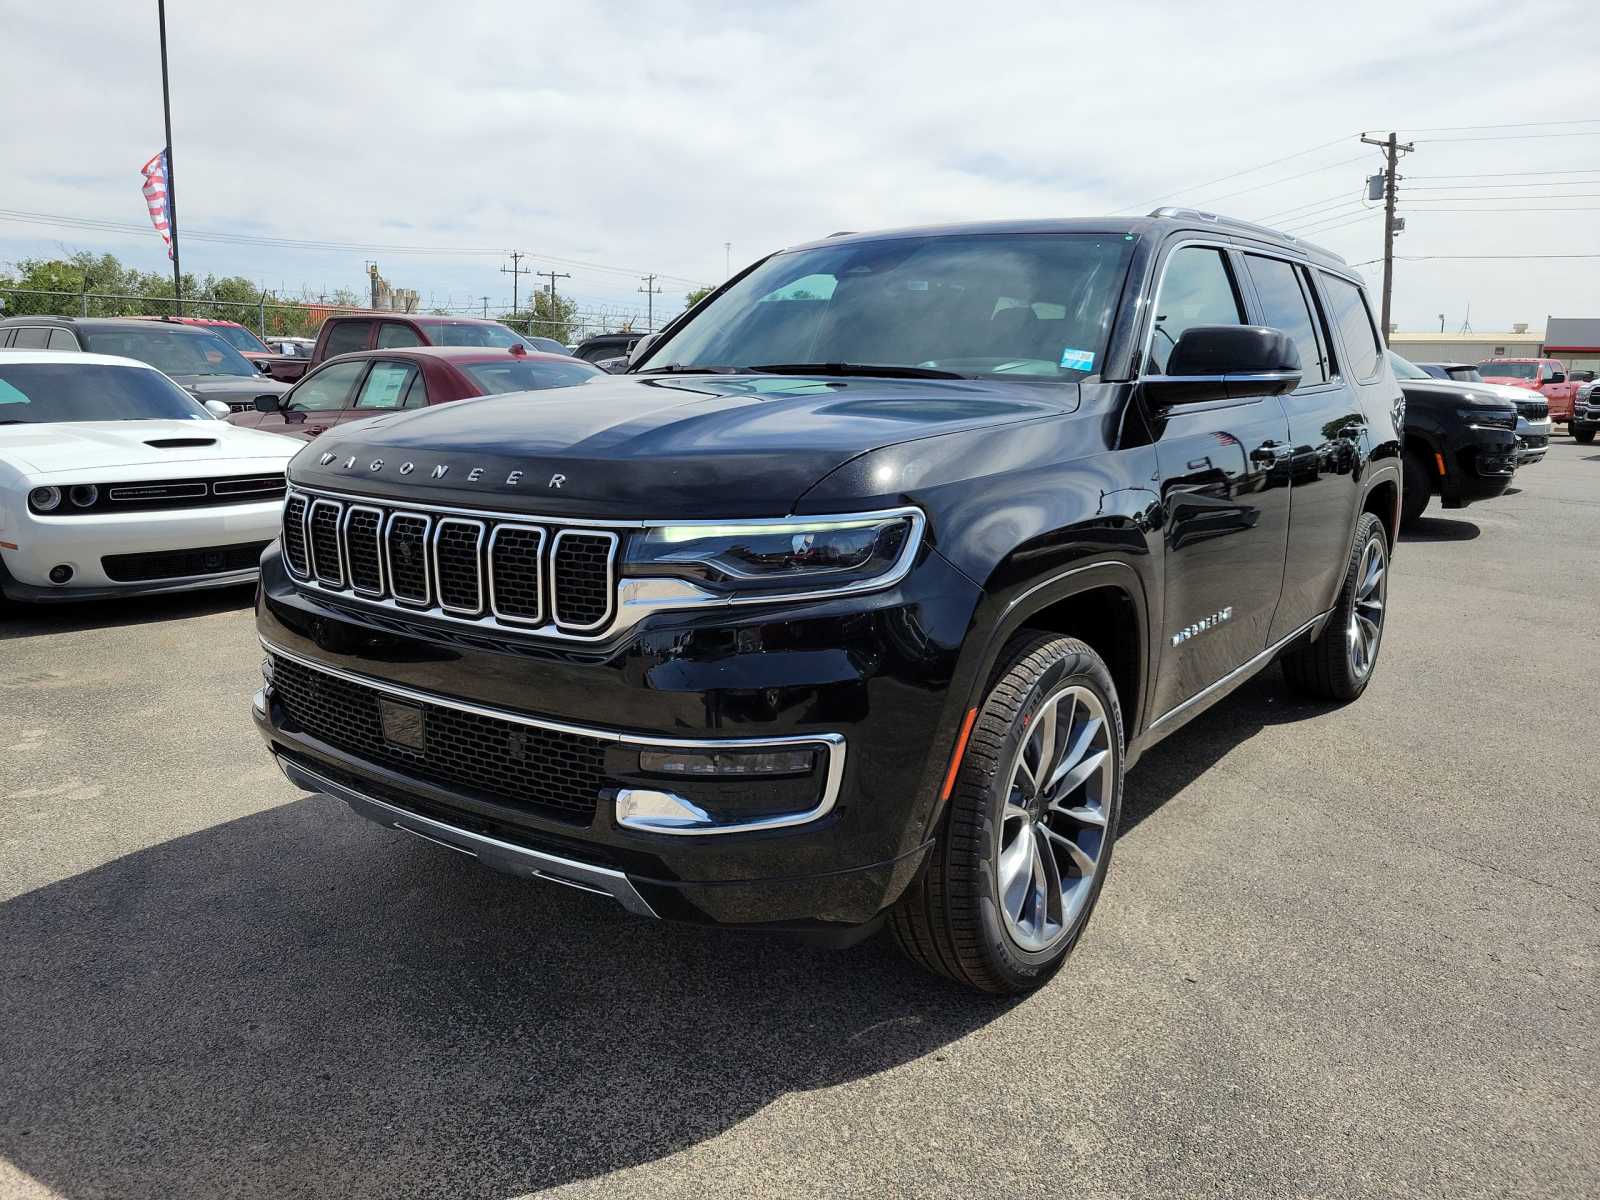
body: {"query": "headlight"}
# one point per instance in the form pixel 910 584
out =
pixel 1506 418
pixel 799 554
pixel 84 494
pixel 44 499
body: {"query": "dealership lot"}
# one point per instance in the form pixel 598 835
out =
pixel 1349 951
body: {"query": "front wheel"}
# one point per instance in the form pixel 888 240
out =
pixel 1417 486
pixel 1339 664
pixel 1583 436
pixel 1023 851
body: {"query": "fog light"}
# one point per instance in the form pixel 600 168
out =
pixel 44 499
pixel 727 763
pixel 60 573
pixel 84 494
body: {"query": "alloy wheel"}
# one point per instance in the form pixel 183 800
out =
pixel 1366 613
pixel 1053 826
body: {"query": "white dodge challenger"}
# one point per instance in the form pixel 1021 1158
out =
pixel 114 481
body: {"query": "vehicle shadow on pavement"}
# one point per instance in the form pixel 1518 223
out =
pixel 1189 753
pixel 38 620
pixel 1439 529
pixel 299 1003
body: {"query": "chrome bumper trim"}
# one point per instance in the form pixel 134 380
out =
pixel 504 856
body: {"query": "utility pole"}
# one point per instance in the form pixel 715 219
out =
pixel 552 276
pixel 1392 151
pixel 515 270
pixel 172 187
pixel 486 308
pixel 651 291
pixel 727 259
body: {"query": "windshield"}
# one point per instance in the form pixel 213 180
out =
pixel 495 378
pixel 464 333
pixel 239 338
pixel 1404 369
pixel 34 393
pixel 1508 370
pixel 1029 305
pixel 175 350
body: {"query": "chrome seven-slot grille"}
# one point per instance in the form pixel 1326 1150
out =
pixel 1534 410
pixel 517 573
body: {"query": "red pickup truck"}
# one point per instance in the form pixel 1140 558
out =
pixel 345 333
pixel 1545 375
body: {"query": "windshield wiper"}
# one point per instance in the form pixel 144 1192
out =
pixel 883 370
pixel 16 422
pixel 688 369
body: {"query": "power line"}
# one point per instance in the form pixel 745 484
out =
pixel 1286 179
pixel 1480 187
pixel 1237 174
pixel 1319 213
pixel 1508 125
pixel 1508 174
pixel 1503 199
pixel 1284 212
pixel 1467 257
pixel 1514 137
pixel 1574 208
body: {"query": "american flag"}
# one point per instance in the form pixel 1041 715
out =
pixel 155 196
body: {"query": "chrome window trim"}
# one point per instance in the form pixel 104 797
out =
pixel 477 551
pixel 611 580
pixel 305 536
pixel 338 543
pixel 396 600
pixel 344 535
pixel 833 743
pixel 538 574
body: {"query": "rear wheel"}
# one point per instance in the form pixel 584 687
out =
pixel 1022 855
pixel 1418 486
pixel 1584 436
pixel 1339 664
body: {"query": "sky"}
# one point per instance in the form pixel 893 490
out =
pixel 613 140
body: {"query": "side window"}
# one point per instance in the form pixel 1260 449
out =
pixel 63 339
pixel 347 336
pixel 1348 308
pixel 386 385
pixel 392 334
pixel 1283 306
pixel 326 389
pixel 31 338
pixel 417 393
pixel 1196 289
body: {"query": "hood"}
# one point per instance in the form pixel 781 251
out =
pixel 1453 392
pixel 645 446
pixel 229 387
pixel 1511 392
pixel 94 447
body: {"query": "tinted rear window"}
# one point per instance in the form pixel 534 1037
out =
pixel 43 392
pixel 496 378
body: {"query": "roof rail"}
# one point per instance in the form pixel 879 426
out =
pixel 1200 214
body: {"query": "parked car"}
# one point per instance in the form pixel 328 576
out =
pixel 207 367
pixel 607 346
pixel 852 600
pixel 1585 417
pixel 1460 441
pixel 240 337
pixel 345 333
pixel 115 481
pixel 1547 376
pixel 545 345
pixel 370 383
pixel 1534 426
pixel 292 347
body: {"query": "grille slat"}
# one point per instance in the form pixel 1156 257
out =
pixel 556 773
pixel 294 536
pixel 559 582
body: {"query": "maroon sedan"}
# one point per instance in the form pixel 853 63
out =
pixel 369 383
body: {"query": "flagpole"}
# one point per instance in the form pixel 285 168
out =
pixel 172 187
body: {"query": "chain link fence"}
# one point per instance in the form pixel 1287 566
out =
pixel 302 318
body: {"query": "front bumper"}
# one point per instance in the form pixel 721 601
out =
pixel 1533 439
pixel 1478 466
pixel 869 672
pixel 217 537
pixel 1584 416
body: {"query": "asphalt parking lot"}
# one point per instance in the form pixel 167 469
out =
pixel 1344 951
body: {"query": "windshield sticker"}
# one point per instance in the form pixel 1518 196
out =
pixel 1077 360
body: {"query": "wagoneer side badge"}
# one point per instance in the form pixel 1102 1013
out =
pixel 1200 626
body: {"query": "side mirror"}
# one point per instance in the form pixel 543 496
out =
pixel 1233 362
pixel 268 404
pixel 261 365
pixel 639 348
pixel 218 409
pixel 1558 377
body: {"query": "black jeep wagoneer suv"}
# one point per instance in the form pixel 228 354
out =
pixel 852 601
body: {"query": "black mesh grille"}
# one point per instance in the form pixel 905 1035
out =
pixel 459 578
pixel 325 556
pixel 294 534
pixel 362 549
pixel 408 557
pixel 559 774
pixel 514 568
pixel 581 578
pixel 178 564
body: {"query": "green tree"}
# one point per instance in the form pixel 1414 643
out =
pixel 695 296
pixel 543 318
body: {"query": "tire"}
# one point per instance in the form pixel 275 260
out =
pixel 1583 436
pixel 954 918
pixel 1418 486
pixel 1340 663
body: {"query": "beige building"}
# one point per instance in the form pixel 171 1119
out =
pixel 1467 347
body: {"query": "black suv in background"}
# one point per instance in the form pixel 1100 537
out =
pixel 853 600
pixel 199 361
pixel 1460 440
pixel 603 347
